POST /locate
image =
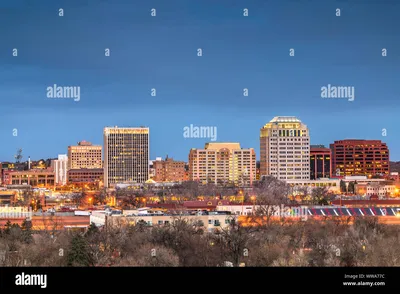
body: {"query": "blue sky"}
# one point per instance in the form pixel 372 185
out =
pixel 161 52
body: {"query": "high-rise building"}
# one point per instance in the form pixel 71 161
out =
pixel 320 162
pixel 285 149
pixel 84 155
pixel 126 155
pixel 223 163
pixel 60 167
pixel 360 158
pixel 169 170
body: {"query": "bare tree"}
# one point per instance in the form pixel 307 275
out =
pixel 78 197
pixel 302 192
pixel 101 196
pixel 271 194
pixel 151 255
pixel 191 190
pixel 319 196
pixel 233 241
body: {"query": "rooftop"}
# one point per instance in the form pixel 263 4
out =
pixel 218 146
pixel 285 119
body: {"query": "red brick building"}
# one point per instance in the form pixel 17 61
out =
pixel 169 170
pixel 85 175
pixel 360 158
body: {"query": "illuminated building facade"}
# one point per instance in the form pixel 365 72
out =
pixel 285 149
pixel 60 167
pixel 126 155
pixel 35 178
pixel 92 175
pixel 84 155
pixel 169 170
pixel 223 163
pixel 360 158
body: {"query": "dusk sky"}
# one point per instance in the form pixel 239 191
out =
pixel 161 52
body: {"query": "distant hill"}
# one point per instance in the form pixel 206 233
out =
pixel 395 166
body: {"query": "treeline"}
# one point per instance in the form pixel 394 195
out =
pixel 364 242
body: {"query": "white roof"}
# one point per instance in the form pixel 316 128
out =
pixel 284 119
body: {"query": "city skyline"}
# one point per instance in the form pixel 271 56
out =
pixel 161 52
pixel 199 133
pixel 256 148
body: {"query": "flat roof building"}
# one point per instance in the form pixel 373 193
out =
pixel 169 170
pixel 126 155
pixel 84 155
pixel 223 163
pixel 360 157
pixel 320 162
pixel 285 149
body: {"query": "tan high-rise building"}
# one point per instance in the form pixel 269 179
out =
pixel 285 149
pixel 169 170
pixel 223 163
pixel 126 155
pixel 84 155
